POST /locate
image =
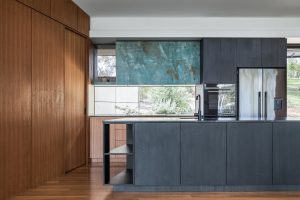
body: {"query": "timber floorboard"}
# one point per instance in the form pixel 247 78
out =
pixel 86 183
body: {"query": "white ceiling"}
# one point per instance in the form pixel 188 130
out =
pixel 191 8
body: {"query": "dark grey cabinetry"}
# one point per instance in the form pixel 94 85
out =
pixel 249 153
pixel 219 57
pixel 203 154
pixel 261 52
pixel 274 52
pixel 286 169
pixel 248 52
pixel 157 154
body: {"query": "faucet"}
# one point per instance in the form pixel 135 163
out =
pixel 198 115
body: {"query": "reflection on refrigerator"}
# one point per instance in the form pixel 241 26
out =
pixel 262 93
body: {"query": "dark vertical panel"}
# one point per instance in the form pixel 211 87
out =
pixel 15 97
pixel 211 51
pixel 274 52
pixel 75 62
pixel 286 153
pixel 227 71
pixel 203 154
pixel 249 153
pixel 47 98
pixel 219 60
pixel 157 154
pixel 106 148
pixel 248 52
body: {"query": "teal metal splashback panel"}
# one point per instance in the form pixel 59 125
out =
pixel 158 62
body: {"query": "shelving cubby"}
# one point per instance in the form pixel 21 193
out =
pixel 126 150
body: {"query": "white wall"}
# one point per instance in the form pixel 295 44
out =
pixel 194 27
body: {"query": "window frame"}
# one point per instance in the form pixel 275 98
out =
pixel 96 79
pixel 290 46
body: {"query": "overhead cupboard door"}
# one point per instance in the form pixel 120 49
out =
pixel 75 61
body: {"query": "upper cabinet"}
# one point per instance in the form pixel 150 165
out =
pixel 68 13
pixel 42 6
pixel 218 60
pixel 261 52
pixel 65 11
pixel 248 52
pixel 274 52
pixel 83 22
pixel 221 57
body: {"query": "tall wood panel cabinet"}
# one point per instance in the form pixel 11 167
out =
pixel 75 62
pixel 47 98
pixel 15 98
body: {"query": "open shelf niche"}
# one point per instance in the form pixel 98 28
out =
pixel 125 176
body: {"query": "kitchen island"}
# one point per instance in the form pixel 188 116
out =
pixel 224 154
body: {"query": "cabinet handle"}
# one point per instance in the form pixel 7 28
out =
pixel 259 104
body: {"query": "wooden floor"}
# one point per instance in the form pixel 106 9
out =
pixel 86 183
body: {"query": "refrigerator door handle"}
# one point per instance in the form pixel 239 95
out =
pixel 259 104
pixel 266 105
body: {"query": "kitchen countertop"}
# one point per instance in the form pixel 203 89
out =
pixel 191 119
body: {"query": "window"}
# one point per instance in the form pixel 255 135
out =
pixel 105 70
pixel 293 82
pixel 144 100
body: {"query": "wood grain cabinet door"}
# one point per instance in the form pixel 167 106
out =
pixel 65 11
pixel 42 6
pixel 83 22
pixel 157 154
pixel 15 98
pixel 75 62
pixel 47 98
pixel 203 154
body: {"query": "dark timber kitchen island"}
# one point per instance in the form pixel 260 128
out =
pixel 225 154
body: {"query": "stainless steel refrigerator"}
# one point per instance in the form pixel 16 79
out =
pixel 262 93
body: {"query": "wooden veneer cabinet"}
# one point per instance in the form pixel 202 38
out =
pixel 64 11
pixel 42 78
